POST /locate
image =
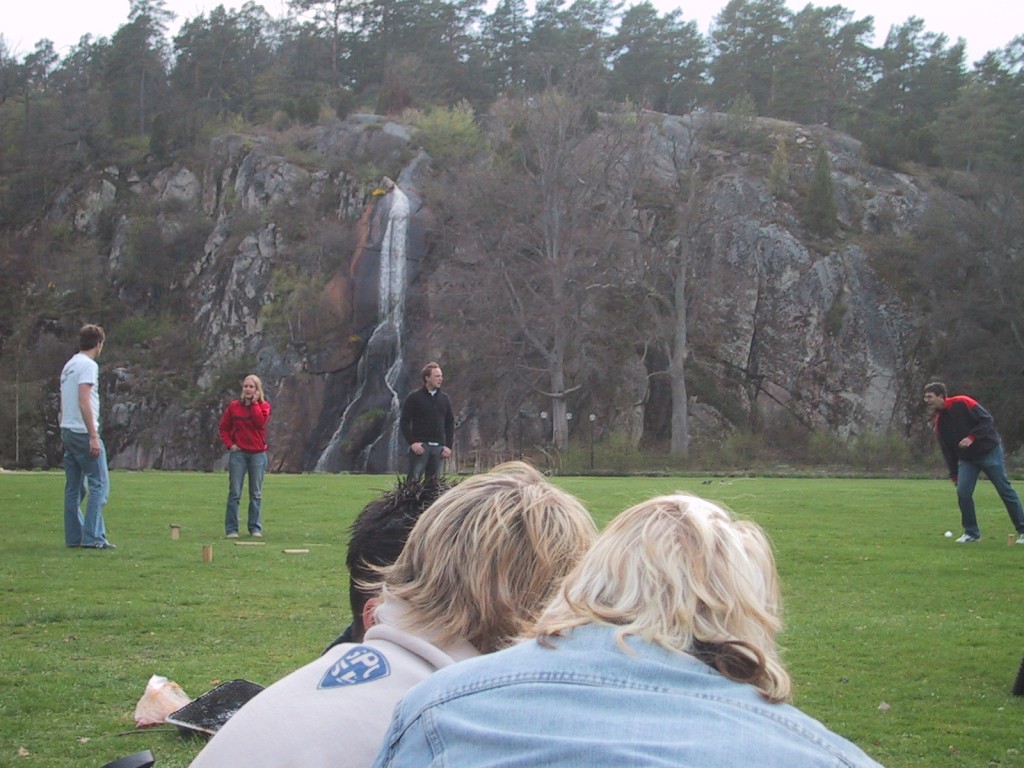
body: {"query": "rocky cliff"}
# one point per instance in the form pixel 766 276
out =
pixel 298 229
pixel 806 323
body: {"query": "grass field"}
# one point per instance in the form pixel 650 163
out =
pixel 897 638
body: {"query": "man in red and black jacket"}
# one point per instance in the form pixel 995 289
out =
pixel 970 444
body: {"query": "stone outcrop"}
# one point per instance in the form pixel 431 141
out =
pixel 788 325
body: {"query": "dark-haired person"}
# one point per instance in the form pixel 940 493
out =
pixel 243 430
pixel 376 539
pixel 428 425
pixel 659 649
pixel 970 444
pixel 85 456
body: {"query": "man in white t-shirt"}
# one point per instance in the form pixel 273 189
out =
pixel 85 457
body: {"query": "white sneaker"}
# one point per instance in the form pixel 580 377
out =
pixel 1020 538
pixel 231 536
pixel 968 539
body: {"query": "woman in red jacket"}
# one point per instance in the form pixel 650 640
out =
pixel 243 430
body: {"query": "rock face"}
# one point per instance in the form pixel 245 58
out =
pixel 787 326
pixel 815 334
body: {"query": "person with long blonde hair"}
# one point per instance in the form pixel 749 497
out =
pixel 479 565
pixel 659 649
pixel 243 430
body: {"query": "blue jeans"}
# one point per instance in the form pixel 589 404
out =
pixel 967 477
pixel 426 465
pixel 241 464
pixel 84 474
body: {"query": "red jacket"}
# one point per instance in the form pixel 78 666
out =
pixel 961 417
pixel 245 426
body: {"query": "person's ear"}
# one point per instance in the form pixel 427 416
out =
pixel 370 612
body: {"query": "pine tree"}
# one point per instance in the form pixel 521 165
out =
pixel 778 176
pixel 820 209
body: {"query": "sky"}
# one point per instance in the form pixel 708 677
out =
pixel 984 24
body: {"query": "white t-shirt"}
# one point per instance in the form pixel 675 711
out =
pixel 80 369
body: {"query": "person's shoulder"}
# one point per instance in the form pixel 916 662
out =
pixel 347 665
pixel 471 675
pixel 373 663
pixel 82 365
pixel 457 685
pixel 961 401
pixel 421 395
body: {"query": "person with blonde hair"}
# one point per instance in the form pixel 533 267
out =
pixel 243 430
pixel 427 423
pixel 659 649
pixel 479 565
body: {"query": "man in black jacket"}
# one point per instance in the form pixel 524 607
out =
pixel 428 425
pixel 970 444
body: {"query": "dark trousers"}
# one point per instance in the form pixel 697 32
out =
pixel 426 465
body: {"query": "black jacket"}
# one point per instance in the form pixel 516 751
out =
pixel 427 418
pixel 963 416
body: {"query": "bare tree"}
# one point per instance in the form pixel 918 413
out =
pixel 668 223
pixel 541 231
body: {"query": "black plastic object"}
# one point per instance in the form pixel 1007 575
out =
pixel 1018 686
pixel 138 760
pixel 209 712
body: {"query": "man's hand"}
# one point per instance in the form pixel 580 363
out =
pixel 446 452
pixel 94 445
pixel 234 448
pixel 967 442
pixel 416 448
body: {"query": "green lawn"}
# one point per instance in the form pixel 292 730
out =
pixel 897 638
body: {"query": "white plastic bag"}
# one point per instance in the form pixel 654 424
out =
pixel 161 698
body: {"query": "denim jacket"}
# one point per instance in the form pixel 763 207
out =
pixel 586 703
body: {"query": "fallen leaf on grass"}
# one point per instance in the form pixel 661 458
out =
pixel 84 740
pixel 885 706
pixel 22 752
